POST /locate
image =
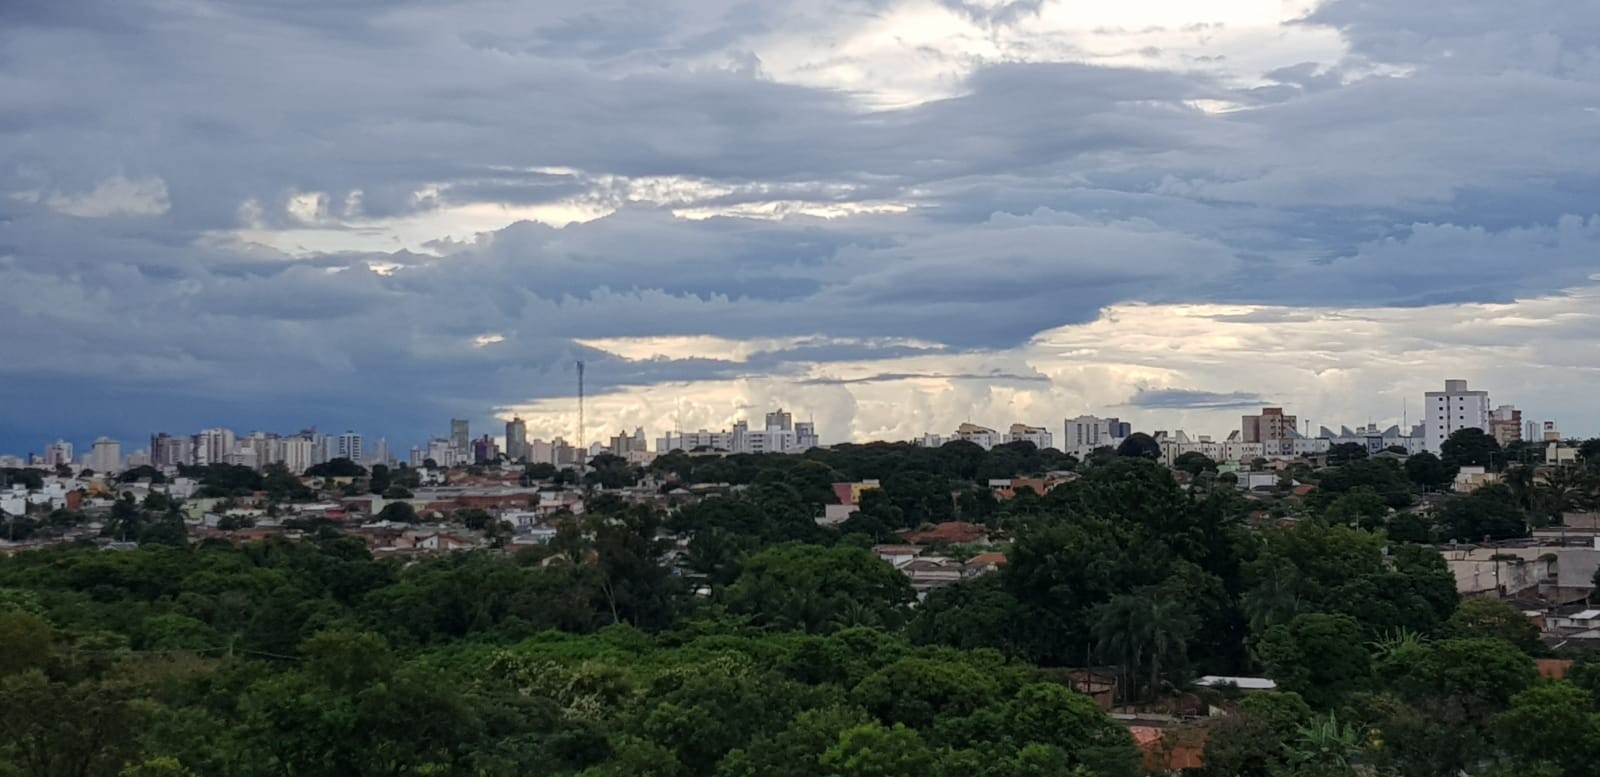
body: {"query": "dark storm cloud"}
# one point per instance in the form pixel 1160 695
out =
pixel 1033 196
pixel 1189 399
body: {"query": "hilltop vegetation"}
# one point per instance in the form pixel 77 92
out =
pixel 597 655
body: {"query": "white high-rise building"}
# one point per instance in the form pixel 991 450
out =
pixel 1452 410
pixel 58 452
pixel 350 447
pixel 1086 433
pixel 212 446
pixel 106 456
pixel 295 454
pixel 779 419
pixel 443 451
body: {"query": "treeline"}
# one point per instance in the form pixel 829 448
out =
pixel 769 645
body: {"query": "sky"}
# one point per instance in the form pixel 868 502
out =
pixel 889 216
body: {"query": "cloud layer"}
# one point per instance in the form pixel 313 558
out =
pixel 379 215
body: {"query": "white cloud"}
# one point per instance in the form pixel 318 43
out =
pixel 1330 366
pixel 115 197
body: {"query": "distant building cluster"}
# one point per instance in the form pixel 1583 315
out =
pixel 1271 434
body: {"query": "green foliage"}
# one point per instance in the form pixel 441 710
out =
pixel 1429 472
pixel 1139 446
pixel 1321 657
pixel 809 587
pixel 1194 463
pixel 594 655
pixel 337 468
pixel 1490 619
pixel 1471 447
pixel 1489 513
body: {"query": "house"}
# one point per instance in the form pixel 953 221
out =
pixel 833 515
pixel 897 555
pixel 1470 479
pixel 930 572
pixel 949 533
pixel 1007 488
pixel 983 564
pixel 1582 620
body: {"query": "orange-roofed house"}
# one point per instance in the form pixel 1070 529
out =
pixel 949 533
pixel 983 564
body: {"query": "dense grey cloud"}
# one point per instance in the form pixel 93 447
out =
pixel 356 213
pixel 1192 399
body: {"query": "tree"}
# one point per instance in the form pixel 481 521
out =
pixel 1429 472
pixel 1554 723
pixel 1346 452
pixel 1139 446
pixel 1144 629
pixel 1491 512
pixel 1360 507
pixel 1476 675
pixel 1321 657
pixel 874 751
pixel 1194 463
pixel 141 472
pixel 806 586
pixel 1324 748
pixel 337 468
pixel 1589 451
pixel 28 640
pixel 398 512
pixel 1471 447
pixel 379 481
pixel 1254 742
pixel 1490 619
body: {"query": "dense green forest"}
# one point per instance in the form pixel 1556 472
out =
pixel 771 646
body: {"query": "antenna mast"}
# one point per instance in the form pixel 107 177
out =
pixel 583 450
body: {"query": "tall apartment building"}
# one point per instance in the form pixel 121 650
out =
pixel 443 452
pixel 212 446
pixel 460 438
pixel 295 453
pixel 779 419
pixel 623 443
pixel 350 447
pixel 1274 429
pixel 484 450
pixel 516 439
pixel 1451 410
pixel 169 451
pixel 1505 425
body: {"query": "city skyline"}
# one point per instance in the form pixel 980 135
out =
pixel 896 214
pixel 1459 405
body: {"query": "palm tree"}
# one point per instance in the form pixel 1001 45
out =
pixel 1133 628
pixel 1276 599
pixel 1120 635
pixel 1395 641
pixel 1323 748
